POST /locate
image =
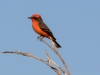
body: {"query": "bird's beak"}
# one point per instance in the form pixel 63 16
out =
pixel 29 17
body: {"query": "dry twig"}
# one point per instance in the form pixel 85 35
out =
pixel 29 55
pixel 49 60
pixel 46 62
pixel 56 51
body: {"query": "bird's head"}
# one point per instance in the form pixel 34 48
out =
pixel 35 17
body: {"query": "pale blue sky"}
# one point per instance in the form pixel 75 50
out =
pixel 74 23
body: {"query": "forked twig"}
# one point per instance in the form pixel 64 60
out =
pixel 49 60
pixel 56 51
pixel 46 62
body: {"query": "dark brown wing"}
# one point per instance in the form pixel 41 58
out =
pixel 45 28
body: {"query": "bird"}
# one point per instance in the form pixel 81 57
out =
pixel 42 29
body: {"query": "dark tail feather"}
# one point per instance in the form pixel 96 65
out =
pixel 56 44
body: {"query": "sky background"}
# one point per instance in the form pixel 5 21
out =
pixel 74 23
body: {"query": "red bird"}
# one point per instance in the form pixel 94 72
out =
pixel 42 29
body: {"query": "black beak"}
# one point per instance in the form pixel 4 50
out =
pixel 29 17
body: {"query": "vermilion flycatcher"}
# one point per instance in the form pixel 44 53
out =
pixel 42 29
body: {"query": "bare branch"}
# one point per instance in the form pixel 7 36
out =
pixel 56 51
pixel 29 55
pixel 54 63
pixel 48 57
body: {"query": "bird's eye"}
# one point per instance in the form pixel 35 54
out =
pixel 35 18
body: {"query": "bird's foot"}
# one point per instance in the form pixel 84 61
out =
pixel 40 38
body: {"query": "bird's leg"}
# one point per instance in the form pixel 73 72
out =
pixel 40 37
